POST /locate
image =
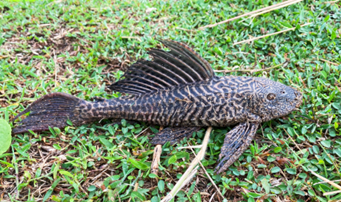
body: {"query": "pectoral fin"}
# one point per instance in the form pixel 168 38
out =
pixel 173 134
pixel 235 143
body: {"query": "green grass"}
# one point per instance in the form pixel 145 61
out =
pixel 79 47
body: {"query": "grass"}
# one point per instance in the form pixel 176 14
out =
pixel 79 47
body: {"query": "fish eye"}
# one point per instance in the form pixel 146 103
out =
pixel 271 96
pixel 282 91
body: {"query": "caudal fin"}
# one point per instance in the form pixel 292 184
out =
pixel 52 110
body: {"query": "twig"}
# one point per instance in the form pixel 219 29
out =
pixel 333 63
pixel 209 177
pixel 271 34
pixel 212 196
pixel 131 37
pixel 234 53
pixel 337 169
pixel 284 4
pixel 252 70
pixel 144 130
pixel 190 147
pixel 293 141
pixel 331 193
pixel 56 68
pixel 44 25
pixel 330 2
pixel 326 180
pixel 187 176
pixel 156 159
pixel 187 30
pixel 16 173
pixel 98 176
pixel 250 13
pixel 136 187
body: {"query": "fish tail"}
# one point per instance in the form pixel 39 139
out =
pixel 52 110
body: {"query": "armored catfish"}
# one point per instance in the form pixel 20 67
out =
pixel 177 90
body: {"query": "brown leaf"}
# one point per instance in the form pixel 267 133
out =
pixel 281 161
pixel 261 160
pixel 262 30
pixel 281 141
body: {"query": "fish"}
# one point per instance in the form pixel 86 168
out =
pixel 178 90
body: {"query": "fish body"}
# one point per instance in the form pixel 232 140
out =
pixel 178 90
pixel 219 102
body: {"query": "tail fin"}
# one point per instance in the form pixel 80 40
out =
pixel 51 110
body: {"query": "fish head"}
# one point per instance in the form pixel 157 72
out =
pixel 273 99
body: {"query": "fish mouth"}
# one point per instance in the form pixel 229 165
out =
pixel 298 99
pixel 296 109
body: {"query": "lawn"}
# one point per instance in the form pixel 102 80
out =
pixel 81 46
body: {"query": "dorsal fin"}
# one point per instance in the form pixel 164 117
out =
pixel 179 66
